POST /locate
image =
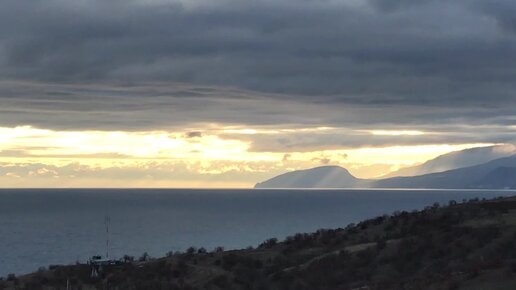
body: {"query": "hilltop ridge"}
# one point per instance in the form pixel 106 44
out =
pixel 463 246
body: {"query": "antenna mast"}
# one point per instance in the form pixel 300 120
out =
pixel 107 220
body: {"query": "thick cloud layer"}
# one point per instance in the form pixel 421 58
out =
pixel 430 64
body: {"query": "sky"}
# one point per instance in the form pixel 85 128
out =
pixel 226 93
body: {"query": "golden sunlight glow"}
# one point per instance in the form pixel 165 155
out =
pixel 396 133
pixel 172 159
pixel 153 144
pixel 250 131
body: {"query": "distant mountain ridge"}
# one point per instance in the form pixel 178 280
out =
pixel 500 176
pixel 457 159
pixel 496 174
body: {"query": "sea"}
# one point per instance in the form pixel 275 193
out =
pixel 42 227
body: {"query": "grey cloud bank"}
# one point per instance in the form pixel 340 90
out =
pixel 135 65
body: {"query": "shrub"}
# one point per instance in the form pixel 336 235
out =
pixel 144 257
pixel 191 250
pixel 269 243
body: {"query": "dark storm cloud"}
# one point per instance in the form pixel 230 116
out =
pixel 378 63
pixel 193 134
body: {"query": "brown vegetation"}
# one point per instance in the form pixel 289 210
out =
pixel 471 245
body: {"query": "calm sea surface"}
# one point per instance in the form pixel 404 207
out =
pixel 39 227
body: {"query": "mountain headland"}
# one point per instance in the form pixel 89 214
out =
pixel 319 177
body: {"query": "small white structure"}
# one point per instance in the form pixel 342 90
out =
pixel 98 263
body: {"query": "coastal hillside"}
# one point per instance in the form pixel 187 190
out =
pixel 457 159
pixel 466 245
pixel 496 174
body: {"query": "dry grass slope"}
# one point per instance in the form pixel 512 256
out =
pixel 471 245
